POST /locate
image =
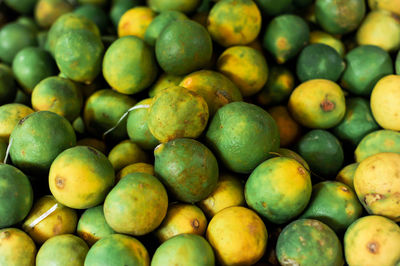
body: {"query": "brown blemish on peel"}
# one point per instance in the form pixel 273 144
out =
pixel 314 224
pixel 372 197
pixel 223 97
pixel 344 189
pixel 282 43
pixel 301 170
pixel 252 228
pixel 373 247
pixel 291 262
pixel 57 229
pixel 195 224
pixel 60 182
pixel 327 106
pixel 5 235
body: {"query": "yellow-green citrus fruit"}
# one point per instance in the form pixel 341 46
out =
pixel 385 102
pixel 164 81
pixel 16 248
pixel 346 175
pixel 334 204
pixel 285 36
pixel 188 169
pixel 135 168
pixel 339 16
pixel 389 5
pixel 136 205
pixel 380 28
pixel 61 221
pixel 309 242
pixel 234 22
pixel 325 38
pixel 182 219
pixel 79 54
pixel 377 184
pixel 71 250
pixel 92 225
pixel 67 23
pixel 184 249
pixel 372 240
pixel 126 153
pixel 135 21
pixel 242 135
pixel 246 67
pixel 178 52
pixel 117 249
pixel 81 177
pixel 279 189
pixel 38 139
pixel 216 89
pixel 129 65
pixel 238 236
pixel 318 103
pixel 103 110
pixel 48 11
pixel 10 115
pixel 376 142
pixel 229 192
pixel 177 112
pixel 58 95
pixel 16 195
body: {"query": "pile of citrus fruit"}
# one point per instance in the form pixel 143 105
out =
pixel 199 132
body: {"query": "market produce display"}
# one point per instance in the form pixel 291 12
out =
pixel 199 132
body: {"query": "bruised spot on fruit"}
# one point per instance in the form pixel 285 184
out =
pixel 126 25
pixel 57 229
pixel 370 198
pixel 345 189
pixel 315 224
pixel 195 224
pixel 302 240
pixel 5 235
pixel 321 242
pixel 223 96
pixel 289 262
pixel 252 228
pixel 301 170
pixel 60 182
pixel 282 43
pixel 264 204
pixel 373 247
pixel 327 106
